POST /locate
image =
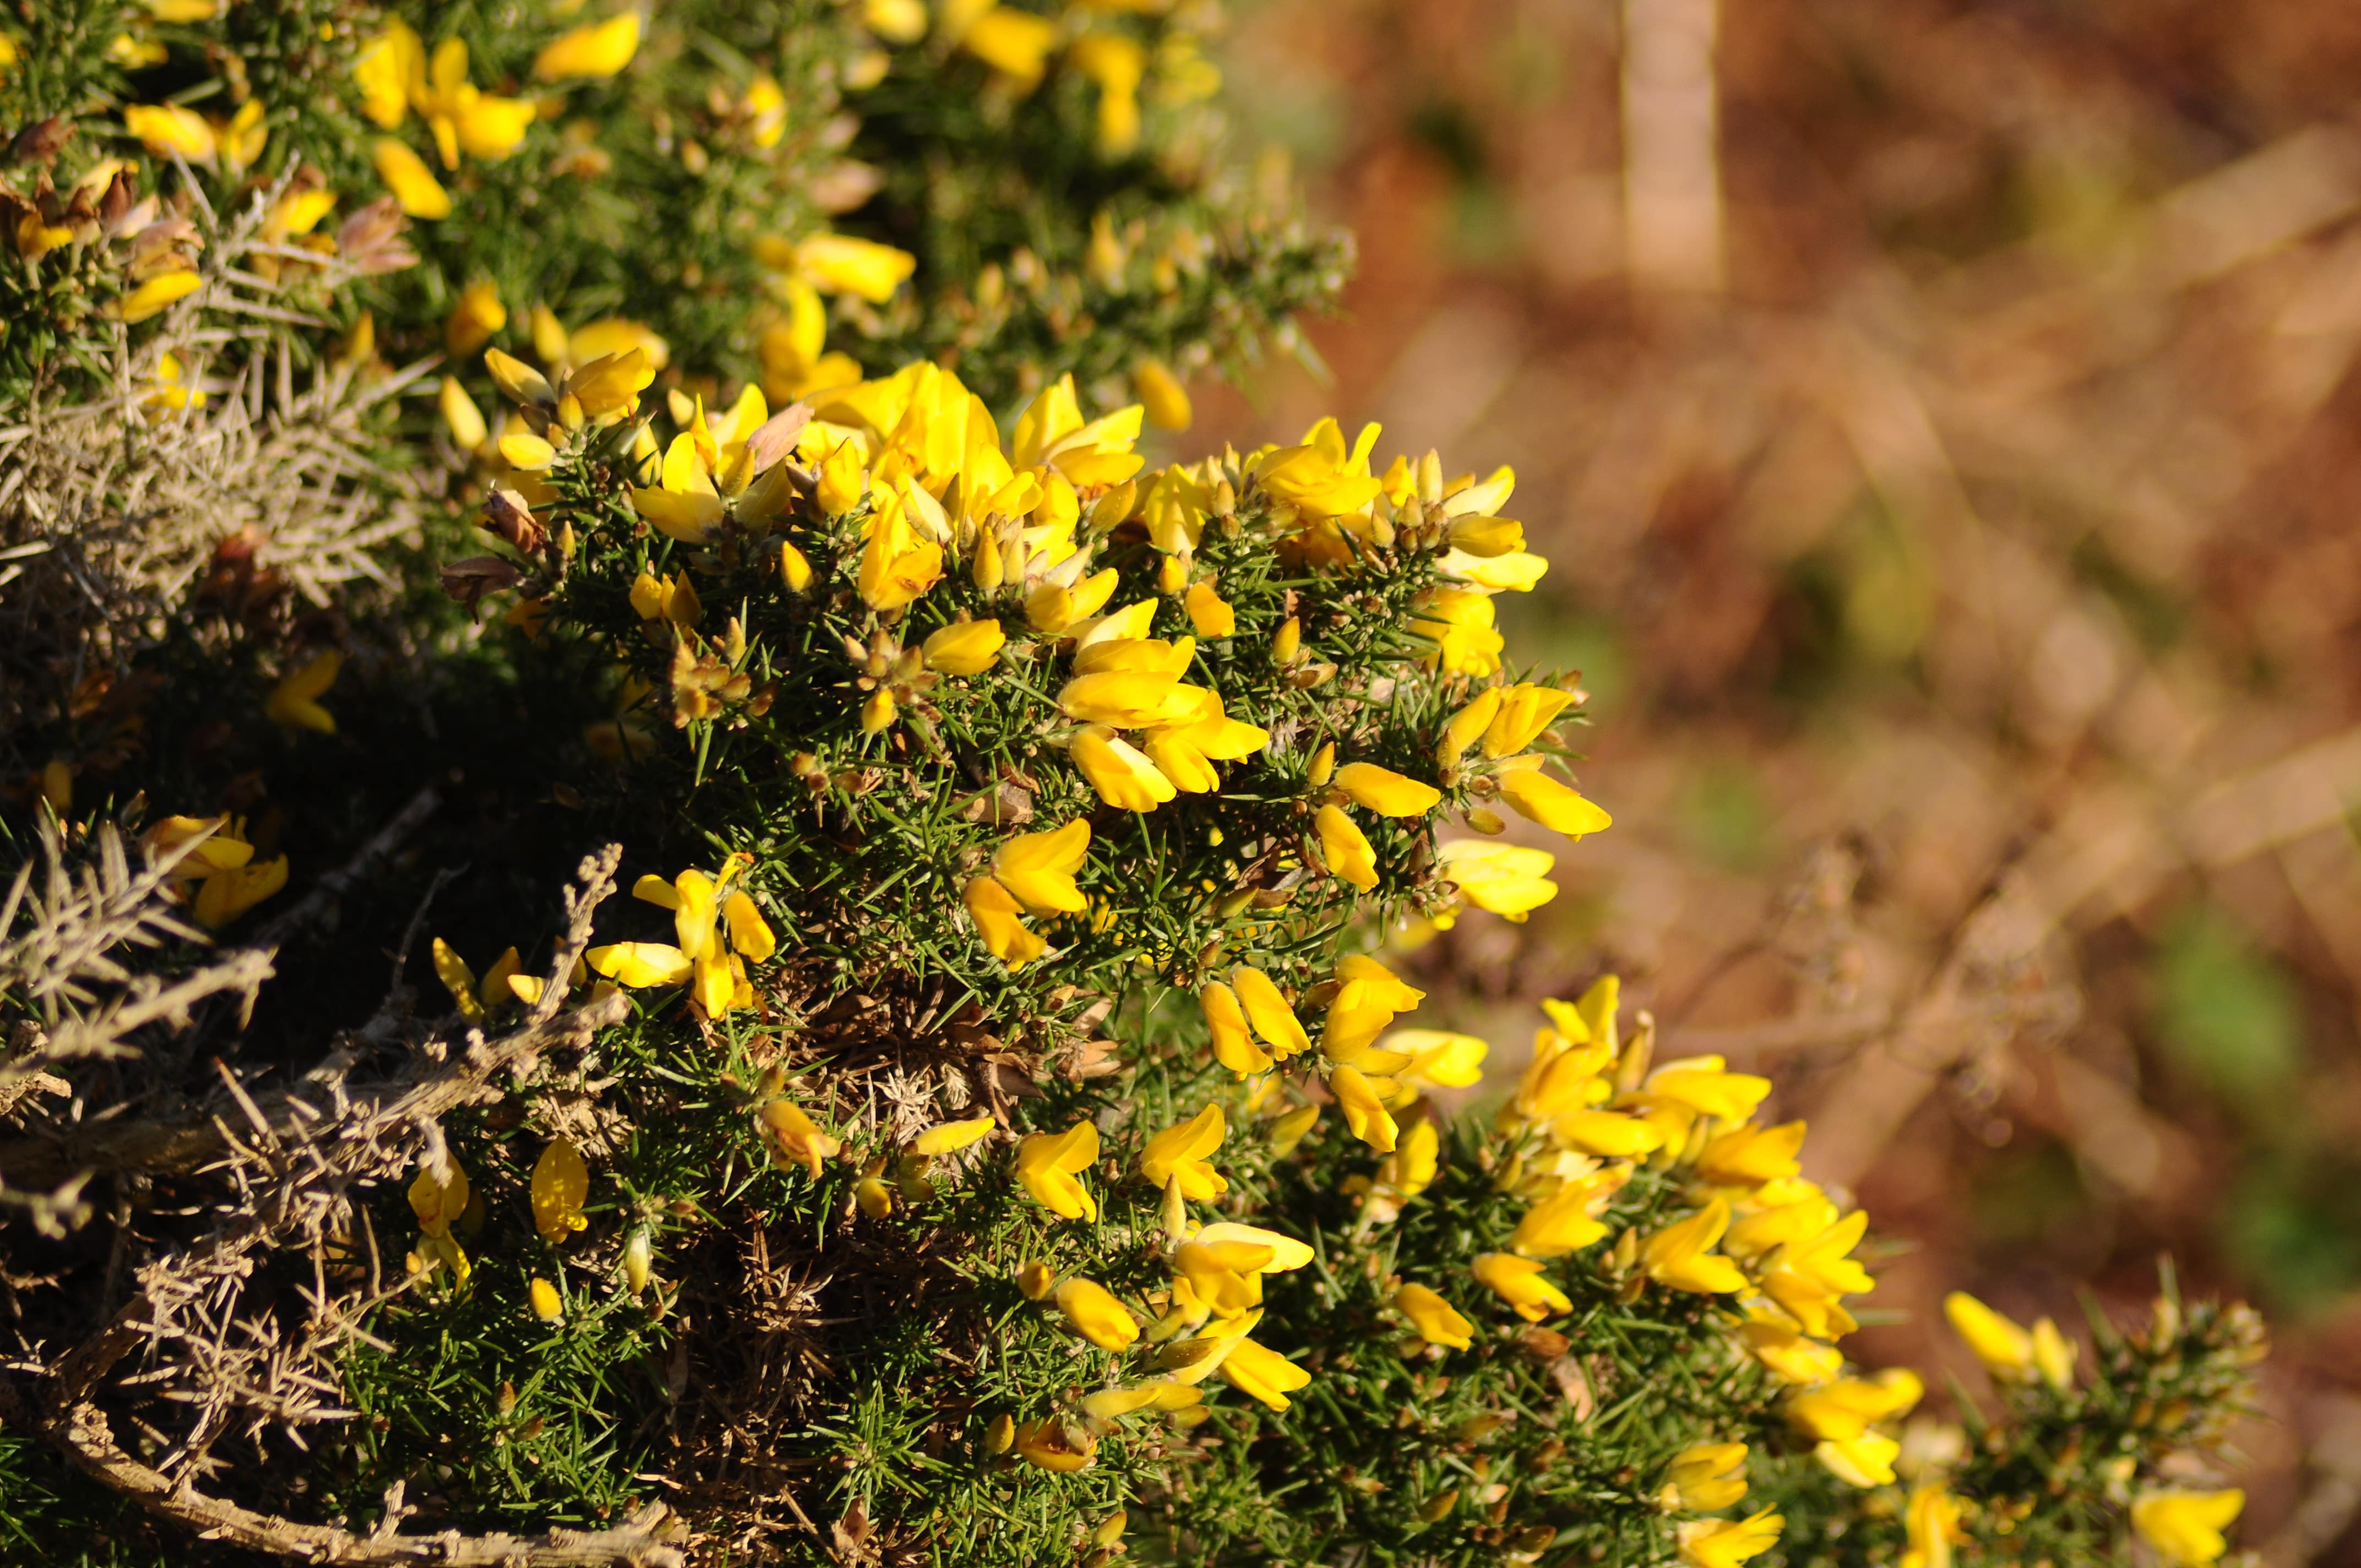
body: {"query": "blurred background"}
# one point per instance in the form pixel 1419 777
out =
pixel 1944 423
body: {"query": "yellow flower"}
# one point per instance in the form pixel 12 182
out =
pixel 1438 1057
pixel 1750 1156
pixel 1787 1354
pixel 1555 806
pixel 1703 1086
pixel 1209 612
pixel 965 648
pixel 1047 1163
pixel 1409 1169
pixel 1677 1255
pixel 595 49
pixel 1053 1445
pixel 1179 1154
pixel 1115 63
pixel 1233 1046
pixel 1385 791
pixel 2186 1528
pixel 1844 1409
pixel 1286 1253
pixel 168 128
pixel 1263 1374
pixel 1040 868
pixel 478 999
pixel 1560 1223
pixel 1123 775
pixel 1366 1001
pixel 895 21
pixel 1436 1322
pixel 840 263
pixel 1096 1315
pixel 474 319
pixel 1519 1282
pixel 1805 1276
pixel 561 1183
pixel 2006 1349
pixel 546 1304
pixel 1365 1110
pixel 1344 848
pixel 1461 624
pixel 794 1137
pixel 2053 1355
pixel 1707 1476
pixel 218 877
pixel 294 701
pixel 1319 478
pixel 1167 402
pixel 1014 43
pixel 951 1137
pixel 673 600
pixel 1505 879
pixel 412 183
pixel 1864 1461
pixel 151 297
pixel 995 911
pixel 1932 1521
pixel 717 925
pixel 1274 1021
pixel 439 1197
pixel 460 415
pixel 384 69
pixel 1726 1543
pixel 1523 713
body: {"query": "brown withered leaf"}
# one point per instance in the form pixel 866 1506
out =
pixel 776 436
pixel 370 240
pixel 1003 806
pixel 469 580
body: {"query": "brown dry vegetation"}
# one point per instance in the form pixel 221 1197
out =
pixel 1950 459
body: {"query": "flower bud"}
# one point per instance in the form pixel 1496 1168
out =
pixel 999 1435
pixel 1286 646
pixel 1323 763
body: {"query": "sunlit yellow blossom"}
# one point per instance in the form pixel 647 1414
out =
pixel 1704 1086
pixel 2005 1348
pixel 1553 805
pixel 151 298
pixel 2186 1528
pixel 1748 1157
pixel 951 1137
pixel 1124 776
pixel 719 928
pixel 2053 1355
pixel 1506 879
pixel 1014 43
pixel 1209 612
pixel 965 648
pixel 1678 1256
pixel 1344 848
pixel 1364 1107
pixel 1368 997
pixel 995 913
pixel 1436 1322
pixel 1319 478
pixel 547 1305
pixel 1096 1315
pixel 794 1138
pixel 1056 1446
pixel 168 128
pixel 460 415
pixel 1863 1461
pixel 1806 1276
pixel 1463 626
pixel 561 1184
pixel 1263 1374
pixel 1167 402
pixel 1385 791
pixel 1409 1169
pixel 412 183
pixel 1932 1524
pixel 1180 1153
pixel 477 315
pixel 1115 63
pixel 595 49
pixel 1560 1223
pixel 1724 1543
pixel 1524 712
pixel 1787 1354
pixel 1706 1477
pixel 1040 868
pixel 1233 1045
pixel 1047 1163
pixel 1518 1281
pixel 295 701
pixel 840 263
pixel 1844 1409
pixel 1274 1021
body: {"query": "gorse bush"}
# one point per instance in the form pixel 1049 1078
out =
pixel 995 1126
